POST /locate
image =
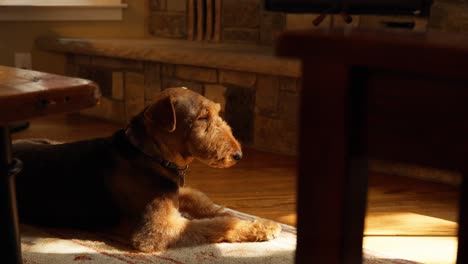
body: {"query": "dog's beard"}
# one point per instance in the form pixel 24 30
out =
pixel 223 163
pixel 220 156
pixel 217 162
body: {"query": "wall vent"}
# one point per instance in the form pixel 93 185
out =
pixel 204 20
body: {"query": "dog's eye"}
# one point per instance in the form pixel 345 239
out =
pixel 204 118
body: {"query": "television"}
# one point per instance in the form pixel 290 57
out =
pixel 358 7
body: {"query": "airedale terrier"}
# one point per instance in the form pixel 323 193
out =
pixel 133 180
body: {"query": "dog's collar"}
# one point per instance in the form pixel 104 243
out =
pixel 171 166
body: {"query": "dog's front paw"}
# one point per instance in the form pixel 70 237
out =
pixel 258 230
pixel 266 230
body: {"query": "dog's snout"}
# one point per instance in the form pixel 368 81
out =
pixel 237 155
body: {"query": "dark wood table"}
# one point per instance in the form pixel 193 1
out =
pixel 392 96
pixel 26 94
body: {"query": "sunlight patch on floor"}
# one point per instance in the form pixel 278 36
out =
pixel 407 223
pixel 431 250
pixel 412 236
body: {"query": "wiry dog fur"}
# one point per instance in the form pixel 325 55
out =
pixel 115 182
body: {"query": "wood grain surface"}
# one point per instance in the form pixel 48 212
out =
pixel 27 94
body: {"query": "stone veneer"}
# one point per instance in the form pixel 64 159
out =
pixel 261 108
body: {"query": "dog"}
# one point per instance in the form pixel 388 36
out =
pixel 133 181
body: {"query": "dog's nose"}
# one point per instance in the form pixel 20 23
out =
pixel 237 155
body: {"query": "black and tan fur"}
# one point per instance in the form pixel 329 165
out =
pixel 108 183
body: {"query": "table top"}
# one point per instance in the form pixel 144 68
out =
pixel 25 94
pixel 437 52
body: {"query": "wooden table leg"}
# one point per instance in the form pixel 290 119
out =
pixel 332 183
pixel 11 244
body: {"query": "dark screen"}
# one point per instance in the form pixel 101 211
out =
pixel 389 7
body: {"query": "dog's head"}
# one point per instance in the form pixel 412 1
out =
pixel 188 123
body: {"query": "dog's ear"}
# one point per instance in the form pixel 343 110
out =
pixel 162 113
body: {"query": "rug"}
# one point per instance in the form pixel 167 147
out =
pixel 52 246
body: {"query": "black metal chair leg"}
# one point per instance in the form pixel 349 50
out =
pixel 9 230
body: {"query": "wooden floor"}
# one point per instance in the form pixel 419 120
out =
pixel 407 218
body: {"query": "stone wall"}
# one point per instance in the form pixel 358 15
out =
pixel 168 18
pixel 261 109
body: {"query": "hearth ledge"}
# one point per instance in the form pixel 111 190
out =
pixel 240 57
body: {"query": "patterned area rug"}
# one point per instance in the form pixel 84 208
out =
pixel 52 246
